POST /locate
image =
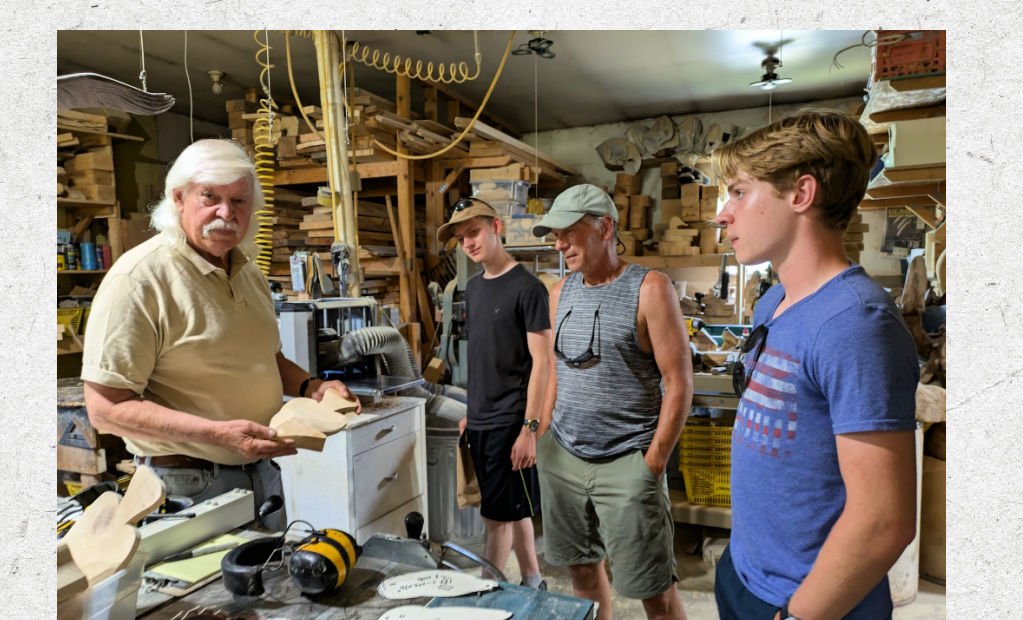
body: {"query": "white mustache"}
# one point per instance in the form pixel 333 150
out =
pixel 219 224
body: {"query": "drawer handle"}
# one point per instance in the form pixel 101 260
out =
pixel 387 479
pixel 384 431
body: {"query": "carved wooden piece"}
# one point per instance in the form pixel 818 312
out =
pixel 144 495
pixel 309 423
pixel 100 546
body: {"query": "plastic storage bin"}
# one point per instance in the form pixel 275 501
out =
pixel 113 598
pixel 490 191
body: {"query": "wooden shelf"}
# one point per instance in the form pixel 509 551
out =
pixel 119 136
pixel 80 272
pixel 668 262
pixel 71 202
pixel 684 512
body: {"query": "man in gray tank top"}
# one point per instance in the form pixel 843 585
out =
pixel 618 335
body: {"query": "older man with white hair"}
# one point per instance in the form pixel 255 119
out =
pixel 182 355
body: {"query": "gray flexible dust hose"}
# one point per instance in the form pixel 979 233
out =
pixel 445 404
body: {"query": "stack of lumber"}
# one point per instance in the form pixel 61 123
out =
pixel 695 209
pixel 633 211
pixel 669 181
pixel 853 238
pixel 304 223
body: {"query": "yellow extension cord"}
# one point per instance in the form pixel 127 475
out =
pixel 461 136
pixel 264 140
pixel 458 73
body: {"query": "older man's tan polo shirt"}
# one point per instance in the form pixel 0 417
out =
pixel 168 325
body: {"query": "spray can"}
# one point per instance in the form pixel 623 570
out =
pixel 87 253
pixel 61 258
pixel 108 259
pixel 72 257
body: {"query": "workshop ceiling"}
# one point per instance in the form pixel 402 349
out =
pixel 595 77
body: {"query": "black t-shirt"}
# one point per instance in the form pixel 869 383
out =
pixel 499 312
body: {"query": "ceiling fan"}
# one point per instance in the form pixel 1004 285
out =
pixel 771 80
pixel 537 45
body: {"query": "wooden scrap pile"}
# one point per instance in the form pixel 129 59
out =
pixel 633 211
pixel 490 148
pixel 85 168
pixel 708 306
pixel 304 223
pixel 686 227
pixel 853 238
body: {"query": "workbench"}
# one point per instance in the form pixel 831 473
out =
pixel 357 598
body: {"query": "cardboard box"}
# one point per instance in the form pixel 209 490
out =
pixel 511 172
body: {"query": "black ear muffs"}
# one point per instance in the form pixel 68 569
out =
pixel 242 567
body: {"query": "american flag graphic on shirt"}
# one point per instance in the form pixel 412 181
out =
pixel 766 418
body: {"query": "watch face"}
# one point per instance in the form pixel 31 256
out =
pixel 532 424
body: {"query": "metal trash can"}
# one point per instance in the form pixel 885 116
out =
pixel 447 522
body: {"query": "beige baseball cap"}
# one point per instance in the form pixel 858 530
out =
pixel 465 209
pixel 572 204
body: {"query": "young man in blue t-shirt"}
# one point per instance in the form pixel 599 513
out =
pixel 509 343
pixel 823 460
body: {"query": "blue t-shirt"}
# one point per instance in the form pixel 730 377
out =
pixel 838 361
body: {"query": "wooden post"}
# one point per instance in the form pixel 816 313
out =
pixel 406 208
pixel 434 210
pixel 454 111
pixel 338 170
pixel 430 103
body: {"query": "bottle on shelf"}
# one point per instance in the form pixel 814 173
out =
pixel 72 257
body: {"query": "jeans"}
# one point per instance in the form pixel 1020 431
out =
pixel 263 478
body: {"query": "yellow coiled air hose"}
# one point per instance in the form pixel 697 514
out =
pixel 265 138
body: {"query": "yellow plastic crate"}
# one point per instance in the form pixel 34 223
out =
pixel 705 458
pixel 70 318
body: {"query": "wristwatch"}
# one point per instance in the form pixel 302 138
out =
pixel 784 613
pixel 532 425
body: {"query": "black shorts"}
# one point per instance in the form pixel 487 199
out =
pixel 506 495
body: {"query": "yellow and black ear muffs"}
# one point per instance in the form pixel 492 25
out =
pixel 242 567
pixel 323 560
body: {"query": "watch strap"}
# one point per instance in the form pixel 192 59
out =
pixel 304 386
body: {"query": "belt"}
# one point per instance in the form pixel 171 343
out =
pixel 175 461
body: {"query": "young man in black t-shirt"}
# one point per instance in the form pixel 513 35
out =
pixel 509 358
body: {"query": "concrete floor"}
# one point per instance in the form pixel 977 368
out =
pixel 696 582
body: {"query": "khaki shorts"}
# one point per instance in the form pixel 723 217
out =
pixel 614 508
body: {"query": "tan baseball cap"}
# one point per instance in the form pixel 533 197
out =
pixel 572 204
pixel 465 209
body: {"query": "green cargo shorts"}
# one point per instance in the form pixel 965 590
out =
pixel 614 508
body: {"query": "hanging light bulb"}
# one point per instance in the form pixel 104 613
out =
pixel 217 78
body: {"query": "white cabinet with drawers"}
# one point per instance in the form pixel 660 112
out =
pixel 368 476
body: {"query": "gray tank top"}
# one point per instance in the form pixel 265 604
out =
pixel 610 406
